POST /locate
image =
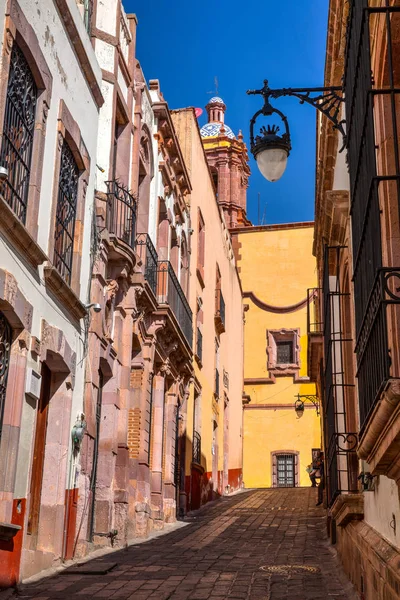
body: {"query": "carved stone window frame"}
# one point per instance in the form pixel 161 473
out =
pixel 274 467
pixel 18 30
pixel 275 336
pixel 69 130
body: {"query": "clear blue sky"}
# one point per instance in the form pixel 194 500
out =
pixel 185 44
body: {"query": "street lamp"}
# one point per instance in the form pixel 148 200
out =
pixel 271 150
pixel 301 400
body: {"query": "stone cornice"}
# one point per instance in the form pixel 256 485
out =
pixel 346 508
pixel 61 290
pixel 161 111
pixel 18 235
pixel 327 137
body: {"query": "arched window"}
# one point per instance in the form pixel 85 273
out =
pixel 5 350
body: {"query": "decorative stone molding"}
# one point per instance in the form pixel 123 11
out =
pixel 275 369
pixel 13 303
pixel 346 508
pixel 55 347
pixel 56 284
pixel 246 399
pixel 19 236
pixel 380 442
pixel 340 202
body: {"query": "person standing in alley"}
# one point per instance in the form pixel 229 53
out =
pixel 321 485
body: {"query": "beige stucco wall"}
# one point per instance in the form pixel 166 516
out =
pixel 218 249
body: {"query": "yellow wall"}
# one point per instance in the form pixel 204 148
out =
pixel 277 265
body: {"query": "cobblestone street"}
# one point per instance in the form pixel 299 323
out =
pixel 266 545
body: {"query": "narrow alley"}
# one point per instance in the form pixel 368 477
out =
pixel 264 544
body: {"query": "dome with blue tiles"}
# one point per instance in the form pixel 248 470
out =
pixel 213 130
pixel 216 116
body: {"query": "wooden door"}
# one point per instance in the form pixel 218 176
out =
pixel 38 452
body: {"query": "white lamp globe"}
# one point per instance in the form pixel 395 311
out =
pixel 272 163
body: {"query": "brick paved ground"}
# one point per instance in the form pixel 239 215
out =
pixel 219 555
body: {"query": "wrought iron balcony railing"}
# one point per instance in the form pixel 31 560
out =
pixel 199 345
pixel 196 458
pixel 149 258
pixel 121 212
pixel 372 346
pixel 170 292
pixel 219 311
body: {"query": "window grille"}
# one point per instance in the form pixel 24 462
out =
pixel 5 350
pixel 284 353
pixel 18 130
pixel 66 213
pixel 285 468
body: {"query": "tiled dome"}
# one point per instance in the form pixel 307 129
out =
pixel 216 100
pixel 212 130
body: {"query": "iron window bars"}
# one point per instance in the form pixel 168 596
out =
pixel 121 212
pixel 66 213
pixel 148 255
pixel 216 392
pixel 284 353
pixel 18 130
pixel 196 457
pixel 170 292
pixel 5 351
pixel 285 470
pixel 340 444
pixel 199 345
pixel 372 183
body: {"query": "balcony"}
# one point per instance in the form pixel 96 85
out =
pixel 148 256
pixel 170 292
pixel 121 212
pixel 196 457
pixel 199 346
pixel 314 332
pixel 219 312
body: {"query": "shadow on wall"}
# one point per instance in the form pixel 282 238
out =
pixel 200 486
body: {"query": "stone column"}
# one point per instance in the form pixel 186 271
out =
pixel 157 439
pixel 171 407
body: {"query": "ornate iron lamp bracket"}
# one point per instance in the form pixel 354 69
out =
pixel 303 398
pixel 327 100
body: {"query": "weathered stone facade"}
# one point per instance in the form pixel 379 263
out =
pixel 46 139
pixel 356 245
